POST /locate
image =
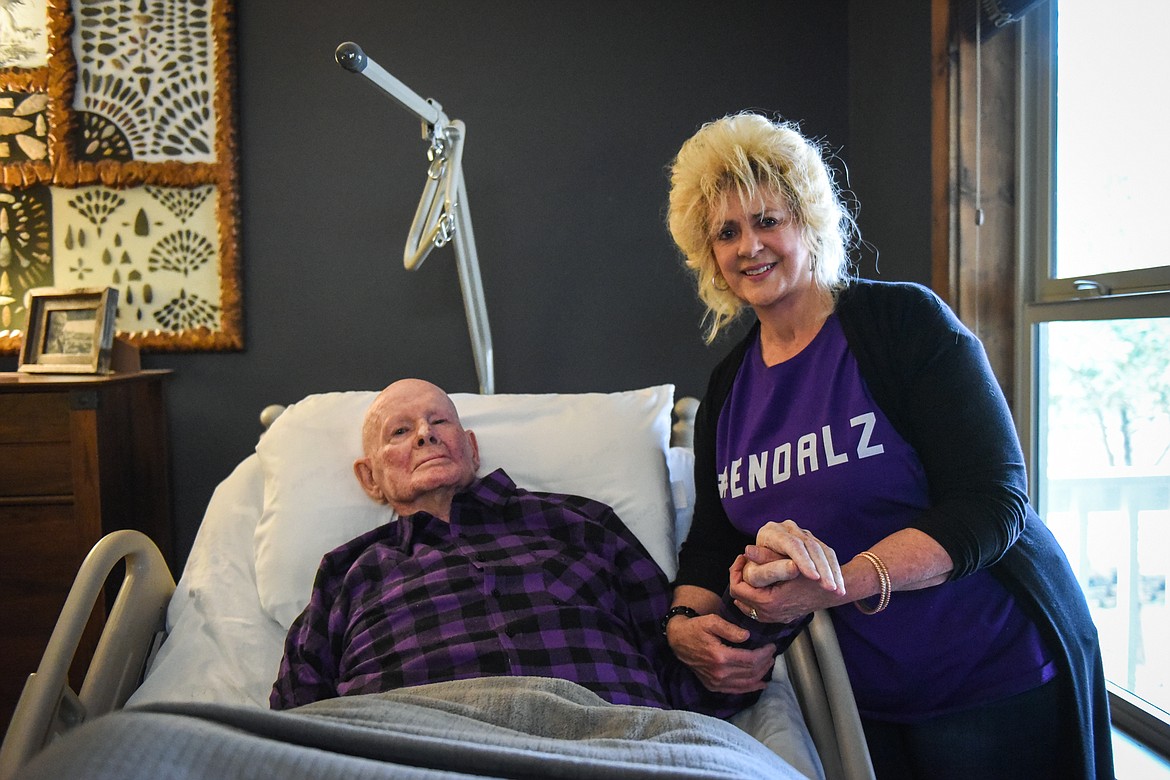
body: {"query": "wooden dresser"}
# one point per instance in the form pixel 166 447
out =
pixel 80 456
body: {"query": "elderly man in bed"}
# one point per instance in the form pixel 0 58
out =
pixel 480 578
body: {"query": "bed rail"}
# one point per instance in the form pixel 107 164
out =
pixel 47 705
pixel 826 699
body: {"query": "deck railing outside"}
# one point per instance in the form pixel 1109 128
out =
pixel 1116 532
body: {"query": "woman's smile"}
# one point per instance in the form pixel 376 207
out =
pixel 759 270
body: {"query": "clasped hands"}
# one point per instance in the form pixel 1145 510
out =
pixel 785 575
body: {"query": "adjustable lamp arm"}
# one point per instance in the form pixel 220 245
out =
pixel 351 57
pixel 442 215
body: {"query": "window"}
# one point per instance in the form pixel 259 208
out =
pixel 1094 341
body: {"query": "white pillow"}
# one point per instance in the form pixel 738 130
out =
pixel 312 500
pixel 607 446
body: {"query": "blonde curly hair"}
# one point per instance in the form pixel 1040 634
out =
pixel 748 155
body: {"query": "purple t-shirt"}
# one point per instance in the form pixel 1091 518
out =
pixel 804 440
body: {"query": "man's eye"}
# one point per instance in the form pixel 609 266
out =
pixel 398 432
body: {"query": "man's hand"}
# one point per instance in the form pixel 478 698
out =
pixel 786 575
pixel 702 644
pixel 784 550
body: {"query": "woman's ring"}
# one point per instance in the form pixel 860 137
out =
pixel 753 614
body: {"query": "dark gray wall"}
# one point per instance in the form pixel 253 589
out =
pixel 890 136
pixel 573 111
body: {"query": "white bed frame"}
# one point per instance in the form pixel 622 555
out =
pixel 48 707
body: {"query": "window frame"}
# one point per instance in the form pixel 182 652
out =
pixel 1043 298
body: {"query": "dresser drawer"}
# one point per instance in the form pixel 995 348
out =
pixel 40 552
pixel 34 417
pixel 34 445
pixel 35 470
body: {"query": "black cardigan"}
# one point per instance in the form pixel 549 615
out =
pixel 931 378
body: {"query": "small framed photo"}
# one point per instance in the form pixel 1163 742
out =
pixel 69 331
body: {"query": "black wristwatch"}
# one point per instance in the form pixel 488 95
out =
pixel 675 612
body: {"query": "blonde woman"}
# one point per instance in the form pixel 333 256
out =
pixel 862 418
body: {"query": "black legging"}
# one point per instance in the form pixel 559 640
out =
pixel 1015 737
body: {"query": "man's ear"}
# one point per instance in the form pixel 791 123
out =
pixel 474 450
pixel 365 478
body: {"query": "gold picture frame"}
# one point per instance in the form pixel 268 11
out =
pixel 70 331
pixel 119 166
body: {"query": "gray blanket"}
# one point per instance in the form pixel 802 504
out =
pixel 492 727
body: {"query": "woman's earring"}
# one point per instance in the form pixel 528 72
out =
pixel 715 282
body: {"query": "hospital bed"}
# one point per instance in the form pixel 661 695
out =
pixel 201 656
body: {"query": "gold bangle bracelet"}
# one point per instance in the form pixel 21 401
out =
pixel 884 578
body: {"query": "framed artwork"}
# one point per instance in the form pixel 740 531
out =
pixel 118 165
pixel 69 331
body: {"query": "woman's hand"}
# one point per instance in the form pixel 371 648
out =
pixel 702 644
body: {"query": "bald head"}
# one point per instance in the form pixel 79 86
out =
pixel 417 455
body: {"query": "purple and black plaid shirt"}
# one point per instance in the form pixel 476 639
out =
pixel 518 583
